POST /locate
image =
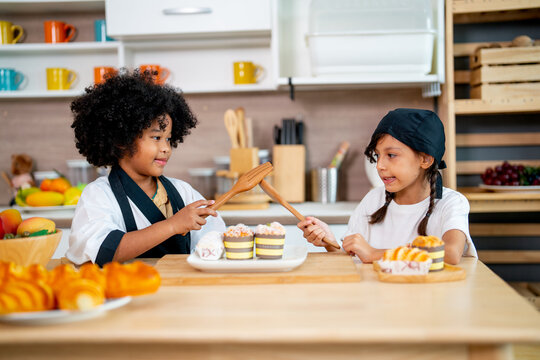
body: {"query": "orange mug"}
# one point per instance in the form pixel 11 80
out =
pixel 58 31
pixel 159 73
pixel 102 73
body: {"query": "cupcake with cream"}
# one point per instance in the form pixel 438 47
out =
pixel 238 241
pixel 435 247
pixel 269 241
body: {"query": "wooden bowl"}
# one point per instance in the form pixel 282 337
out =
pixel 30 250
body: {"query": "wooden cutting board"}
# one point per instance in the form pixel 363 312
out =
pixel 318 268
pixel 449 273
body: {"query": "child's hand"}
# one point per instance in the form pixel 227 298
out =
pixel 315 231
pixel 192 216
pixel 356 244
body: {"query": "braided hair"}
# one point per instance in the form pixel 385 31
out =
pixel 431 174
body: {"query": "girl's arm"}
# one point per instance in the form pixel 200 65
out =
pixel 356 244
pixel 191 217
pixel 454 243
pixel 315 231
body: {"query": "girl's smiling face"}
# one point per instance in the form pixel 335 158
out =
pixel 402 169
pixel 153 150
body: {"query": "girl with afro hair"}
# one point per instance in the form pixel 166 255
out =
pixel 130 124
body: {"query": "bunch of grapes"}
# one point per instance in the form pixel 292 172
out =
pixel 512 175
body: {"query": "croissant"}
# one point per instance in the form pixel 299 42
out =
pixel 93 272
pixel 427 241
pixel 132 279
pixel 406 253
pixel 80 294
pixel 24 295
pixel 62 275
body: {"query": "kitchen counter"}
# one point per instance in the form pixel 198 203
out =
pixel 337 213
pixel 474 318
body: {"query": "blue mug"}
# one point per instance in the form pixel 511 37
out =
pixel 10 79
pixel 100 31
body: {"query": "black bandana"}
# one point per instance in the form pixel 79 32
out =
pixel 421 130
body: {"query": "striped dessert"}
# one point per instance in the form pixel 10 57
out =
pixel 269 241
pixel 238 241
pixel 435 247
pixel 405 260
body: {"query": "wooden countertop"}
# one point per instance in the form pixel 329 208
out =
pixel 479 310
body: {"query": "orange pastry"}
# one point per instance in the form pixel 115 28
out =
pixel 61 275
pixel 435 247
pixel 93 272
pixel 132 279
pixel 23 295
pixel 80 294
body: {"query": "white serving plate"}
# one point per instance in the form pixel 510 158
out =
pixel 44 208
pixel 508 188
pixel 293 256
pixel 63 316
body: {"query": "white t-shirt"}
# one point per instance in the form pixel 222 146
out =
pixel 98 213
pixel 400 224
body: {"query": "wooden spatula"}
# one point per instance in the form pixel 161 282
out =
pixel 269 189
pixel 240 115
pixel 245 182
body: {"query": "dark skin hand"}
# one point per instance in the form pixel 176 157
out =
pixel 191 217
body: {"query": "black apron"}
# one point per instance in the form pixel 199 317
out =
pixel 123 187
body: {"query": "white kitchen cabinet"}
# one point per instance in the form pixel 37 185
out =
pixel 293 64
pixel 142 19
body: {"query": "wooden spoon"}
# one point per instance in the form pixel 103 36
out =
pixel 269 189
pixel 240 115
pixel 245 182
pixel 231 124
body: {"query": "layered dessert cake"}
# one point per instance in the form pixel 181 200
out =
pixel 269 241
pixel 210 246
pixel 405 260
pixel 435 247
pixel 238 241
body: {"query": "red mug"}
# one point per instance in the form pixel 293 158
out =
pixel 102 73
pixel 58 31
pixel 159 73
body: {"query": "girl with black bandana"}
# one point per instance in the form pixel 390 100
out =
pixel 408 146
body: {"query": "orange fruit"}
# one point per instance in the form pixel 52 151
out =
pixel 45 184
pixel 60 185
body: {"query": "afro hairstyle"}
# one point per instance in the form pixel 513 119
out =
pixel 110 116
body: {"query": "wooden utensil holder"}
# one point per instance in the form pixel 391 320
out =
pixel 289 171
pixel 244 159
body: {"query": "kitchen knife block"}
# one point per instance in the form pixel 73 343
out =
pixel 289 171
pixel 243 159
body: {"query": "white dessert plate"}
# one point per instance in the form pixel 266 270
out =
pixel 63 316
pixel 508 188
pixel 44 208
pixel 293 256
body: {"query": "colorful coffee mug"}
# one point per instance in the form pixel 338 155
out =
pixel 10 79
pixel 100 31
pixel 246 72
pixel 58 31
pixel 7 32
pixel 60 78
pixel 160 73
pixel 101 73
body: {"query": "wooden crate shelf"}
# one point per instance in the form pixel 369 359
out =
pixel 482 6
pixel 497 106
pixel 482 201
pixel 477 167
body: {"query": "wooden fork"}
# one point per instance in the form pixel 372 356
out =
pixel 269 189
pixel 245 182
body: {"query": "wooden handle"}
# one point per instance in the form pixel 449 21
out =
pixel 269 189
pixel 240 125
pixel 231 124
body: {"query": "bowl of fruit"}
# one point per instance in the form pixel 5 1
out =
pixel 52 194
pixel 511 177
pixel 30 241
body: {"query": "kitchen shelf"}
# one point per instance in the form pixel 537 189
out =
pixel 76 47
pixel 482 6
pixel 21 94
pixel 53 6
pixel 487 202
pixel 509 106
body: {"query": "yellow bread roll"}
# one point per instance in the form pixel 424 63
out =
pixel 80 294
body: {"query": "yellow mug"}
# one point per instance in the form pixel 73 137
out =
pixel 60 78
pixel 7 32
pixel 246 72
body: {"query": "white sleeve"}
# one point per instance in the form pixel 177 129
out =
pixel 96 216
pixel 190 195
pixel 358 222
pixel 455 216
